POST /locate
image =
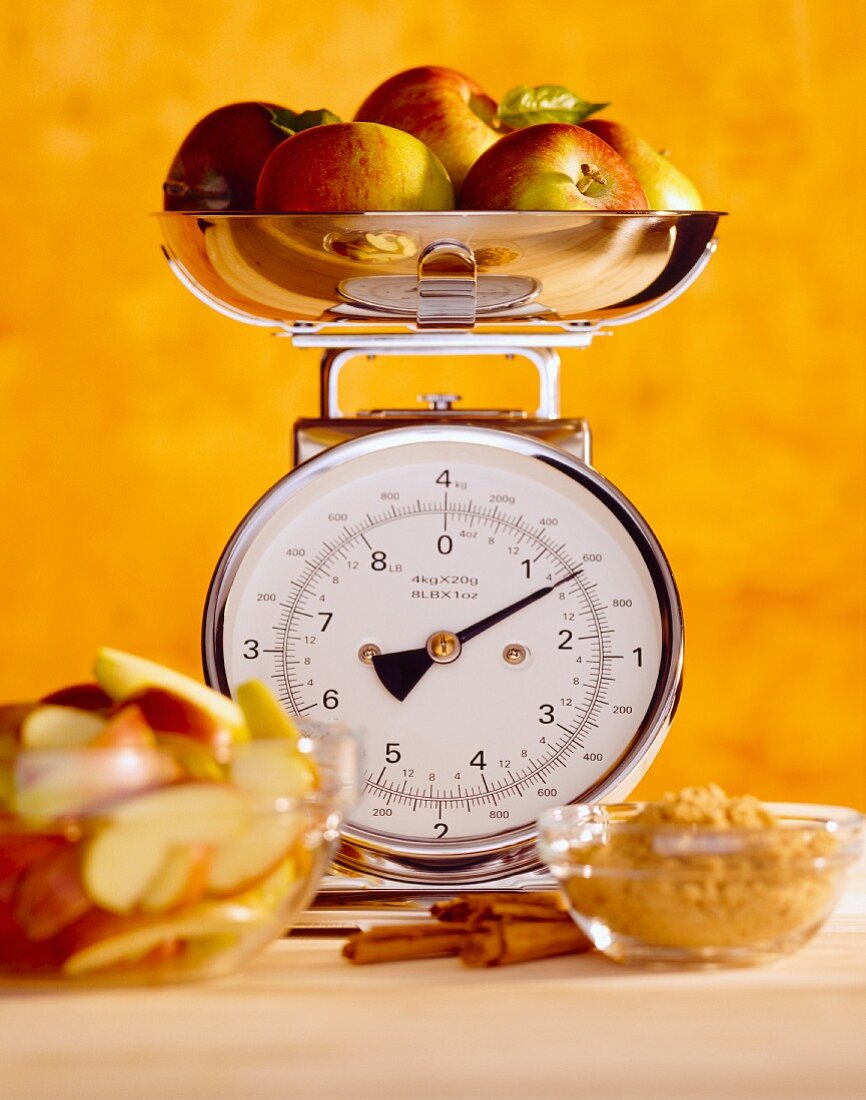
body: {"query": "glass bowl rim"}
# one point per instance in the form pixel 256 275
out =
pixel 792 816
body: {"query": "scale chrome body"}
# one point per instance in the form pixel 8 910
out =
pixel 461 584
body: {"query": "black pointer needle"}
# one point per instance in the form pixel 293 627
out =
pixel 400 672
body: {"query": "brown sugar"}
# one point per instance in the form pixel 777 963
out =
pixel 699 869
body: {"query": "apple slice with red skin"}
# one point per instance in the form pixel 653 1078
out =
pixel 20 955
pixel 51 726
pixel 124 859
pixel 552 166
pixel 167 712
pixel 87 696
pixel 49 895
pixel 182 879
pixel 126 728
pixel 125 676
pixel 186 939
pixel 19 849
pixel 244 860
pixel 49 783
pixel 100 940
pixel 12 716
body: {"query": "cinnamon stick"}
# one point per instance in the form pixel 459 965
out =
pixel 503 942
pixel 474 908
pixel 394 943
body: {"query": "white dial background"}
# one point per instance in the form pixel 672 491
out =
pixel 395 544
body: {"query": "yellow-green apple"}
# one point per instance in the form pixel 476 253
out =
pixel 49 726
pixel 126 678
pixel 50 895
pixel 218 163
pixel 353 166
pixel 552 166
pixel 446 110
pixel 666 187
pixel 124 859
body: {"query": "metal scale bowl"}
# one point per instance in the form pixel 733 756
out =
pixel 373 651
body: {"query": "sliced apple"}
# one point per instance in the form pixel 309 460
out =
pixel 170 713
pixel 101 940
pixel 81 696
pixel 264 716
pixel 11 717
pixel 272 771
pixel 19 850
pixel 273 766
pixel 247 858
pixel 50 895
pixel 126 728
pixel 55 783
pixel 123 675
pixel 126 856
pixel 50 726
pixel 196 760
pixel 181 880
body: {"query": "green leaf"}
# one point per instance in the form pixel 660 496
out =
pixel 292 122
pixel 524 106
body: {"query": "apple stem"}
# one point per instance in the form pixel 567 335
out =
pixel 591 181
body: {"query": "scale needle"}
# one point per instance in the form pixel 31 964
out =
pixel 400 672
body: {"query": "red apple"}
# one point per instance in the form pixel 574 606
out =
pixel 218 163
pixel 353 166
pixel 552 166
pixel 446 110
pixel 666 187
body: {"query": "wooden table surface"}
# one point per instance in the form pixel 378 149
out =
pixel 301 1022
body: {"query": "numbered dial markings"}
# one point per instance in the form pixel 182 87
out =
pixel 487 620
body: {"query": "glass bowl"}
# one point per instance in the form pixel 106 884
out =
pixel 698 895
pixel 130 864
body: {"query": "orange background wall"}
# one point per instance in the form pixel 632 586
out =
pixel 138 426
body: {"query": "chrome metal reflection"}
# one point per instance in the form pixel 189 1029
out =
pixel 362 271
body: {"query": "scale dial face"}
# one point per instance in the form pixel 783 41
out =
pixel 492 616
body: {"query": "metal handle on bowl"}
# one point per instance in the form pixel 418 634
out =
pixel 447 284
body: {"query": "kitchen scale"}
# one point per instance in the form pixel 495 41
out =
pixel 460 585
